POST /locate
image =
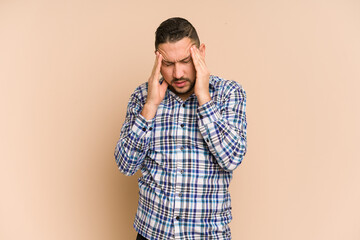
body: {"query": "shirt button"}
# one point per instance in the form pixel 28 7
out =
pixel 200 116
pixel 180 194
pixel 182 125
pixel 150 128
pixel 144 129
pixel 184 105
pixel 181 171
pixel 182 148
pixel 177 218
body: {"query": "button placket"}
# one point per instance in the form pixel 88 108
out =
pixel 179 166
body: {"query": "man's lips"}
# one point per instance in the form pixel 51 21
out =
pixel 180 83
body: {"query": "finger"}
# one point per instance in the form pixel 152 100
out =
pixel 195 58
pixel 200 56
pixel 164 85
pixel 198 60
pixel 159 61
pixel 157 67
pixel 155 63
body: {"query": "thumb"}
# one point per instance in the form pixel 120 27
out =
pixel 164 85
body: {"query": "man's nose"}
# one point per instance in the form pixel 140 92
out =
pixel 178 71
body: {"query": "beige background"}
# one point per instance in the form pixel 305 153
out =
pixel 67 69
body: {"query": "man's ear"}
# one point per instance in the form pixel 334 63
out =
pixel 202 50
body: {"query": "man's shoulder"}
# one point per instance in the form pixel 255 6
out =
pixel 224 86
pixel 141 89
pixel 139 95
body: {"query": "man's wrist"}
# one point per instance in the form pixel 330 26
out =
pixel 203 98
pixel 149 111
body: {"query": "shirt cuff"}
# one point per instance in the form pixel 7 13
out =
pixel 142 126
pixel 208 113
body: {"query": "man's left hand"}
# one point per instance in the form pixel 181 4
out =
pixel 202 76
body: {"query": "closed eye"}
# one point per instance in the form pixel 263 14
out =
pixel 186 60
pixel 167 63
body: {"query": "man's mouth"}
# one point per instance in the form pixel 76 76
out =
pixel 180 83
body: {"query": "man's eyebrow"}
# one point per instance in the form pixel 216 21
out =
pixel 178 61
pixel 185 58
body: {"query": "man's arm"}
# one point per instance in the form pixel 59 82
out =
pixel 156 91
pixel 225 131
pixel 134 139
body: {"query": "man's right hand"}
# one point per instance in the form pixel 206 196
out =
pixel 156 91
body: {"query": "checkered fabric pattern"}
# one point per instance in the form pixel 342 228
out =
pixel 187 155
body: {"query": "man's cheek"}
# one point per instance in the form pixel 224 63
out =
pixel 193 66
pixel 164 72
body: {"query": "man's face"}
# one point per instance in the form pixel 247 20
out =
pixel 177 67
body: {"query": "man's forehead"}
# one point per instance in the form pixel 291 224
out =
pixel 180 60
pixel 177 58
pixel 176 51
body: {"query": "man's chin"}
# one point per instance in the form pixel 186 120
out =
pixel 183 91
pixel 188 89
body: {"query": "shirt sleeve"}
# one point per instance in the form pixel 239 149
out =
pixel 131 149
pixel 224 128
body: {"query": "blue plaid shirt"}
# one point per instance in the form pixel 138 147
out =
pixel 187 155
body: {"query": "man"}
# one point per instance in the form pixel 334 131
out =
pixel 186 132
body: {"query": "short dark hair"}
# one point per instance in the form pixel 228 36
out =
pixel 175 29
